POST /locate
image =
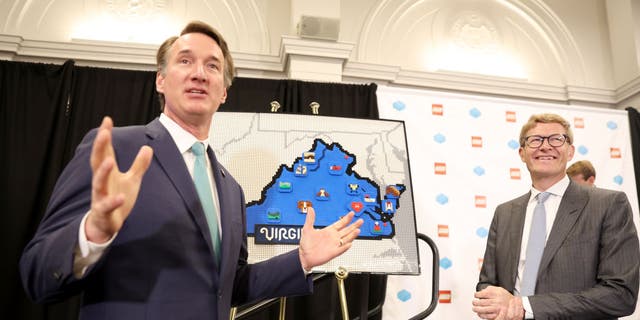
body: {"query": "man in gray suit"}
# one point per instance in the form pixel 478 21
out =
pixel 588 260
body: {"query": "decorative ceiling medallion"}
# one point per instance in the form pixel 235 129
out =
pixel 135 9
pixel 474 31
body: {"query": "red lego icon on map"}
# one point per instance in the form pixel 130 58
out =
pixel 356 206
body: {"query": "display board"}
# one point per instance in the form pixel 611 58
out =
pixel 287 163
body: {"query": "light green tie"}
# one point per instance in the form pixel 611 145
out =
pixel 201 180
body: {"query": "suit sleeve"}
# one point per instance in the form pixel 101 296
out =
pixel 488 273
pixel 46 265
pixel 615 289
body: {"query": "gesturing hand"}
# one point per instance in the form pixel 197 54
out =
pixel 113 193
pixel 319 246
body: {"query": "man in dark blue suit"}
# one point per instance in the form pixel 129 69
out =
pixel 138 244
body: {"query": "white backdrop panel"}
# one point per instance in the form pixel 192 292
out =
pixel 463 151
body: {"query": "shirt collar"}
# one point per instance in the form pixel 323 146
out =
pixel 183 139
pixel 557 189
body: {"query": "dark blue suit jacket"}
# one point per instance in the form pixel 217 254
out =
pixel 160 265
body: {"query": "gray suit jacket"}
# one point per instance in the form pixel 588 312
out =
pixel 589 268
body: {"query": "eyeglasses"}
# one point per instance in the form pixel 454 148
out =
pixel 555 140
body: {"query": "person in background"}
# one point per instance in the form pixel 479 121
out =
pixel 582 172
pixel 562 250
pixel 150 242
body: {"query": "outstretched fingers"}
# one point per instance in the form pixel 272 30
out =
pixel 347 231
pixel 102 147
pixel 353 233
pixel 102 200
pixel 318 246
pixel 350 227
pixel 141 163
pixel 343 221
pixel 100 181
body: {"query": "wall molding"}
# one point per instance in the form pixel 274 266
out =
pixel 142 57
pixel 629 89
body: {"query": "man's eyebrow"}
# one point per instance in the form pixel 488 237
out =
pixel 184 51
pixel 189 51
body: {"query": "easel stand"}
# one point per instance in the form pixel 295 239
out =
pixel 342 274
pixel 283 307
pixel 281 316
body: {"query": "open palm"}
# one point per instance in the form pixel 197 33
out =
pixel 113 193
pixel 319 246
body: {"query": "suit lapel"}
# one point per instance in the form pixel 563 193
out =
pixel 172 163
pixel 571 207
pixel 516 228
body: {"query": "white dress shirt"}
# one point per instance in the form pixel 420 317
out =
pixel 551 207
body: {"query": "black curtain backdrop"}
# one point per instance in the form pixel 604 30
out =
pixel 45 110
pixel 34 119
pixel 634 128
pixel 128 97
pixel 294 96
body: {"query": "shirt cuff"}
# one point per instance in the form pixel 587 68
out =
pixel 87 252
pixel 528 311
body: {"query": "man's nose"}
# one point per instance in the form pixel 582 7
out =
pixel 546 143
pixel 198 72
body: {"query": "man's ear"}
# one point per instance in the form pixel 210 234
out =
pixel 160 82
pixel 572 150
pixel 223 99
pixel 591 180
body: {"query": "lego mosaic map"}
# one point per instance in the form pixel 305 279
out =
pixel 288 163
